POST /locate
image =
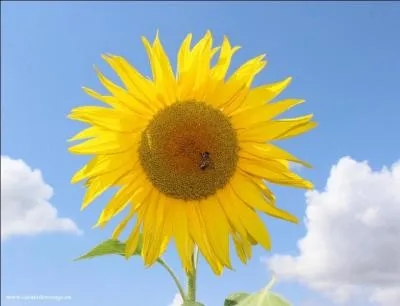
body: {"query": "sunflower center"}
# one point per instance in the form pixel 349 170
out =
pixel 189 150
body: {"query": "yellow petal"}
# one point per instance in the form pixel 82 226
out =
pixel 243 76
pixel 165 231
pixel 168 73
pixel 159 232
pixel 107 143
pixel 123 96
pixel 242 246
pixel 236 100
pixel 248 70
pixel 201 57
pixel 149 225
pixel 297 130
pixel 273 165
pixel 81 173
pixel 269 151
pixel 197 66
pixel 251 240
pixel 225 198
pixel 217 228
pixel 108 119
pixel 265 93
pixel 132 241
pixel 162 72
pixel 198 232
pixel 183 62
pixel 139 221
pixel 282 178
pixel 143 190
pixel 120 200
pixel 184 243
pixel 252 196
pixel 253 224
pixel 109 212
pixel 93 131
pixel 112 101
pixel 155 69
pixel 218 72
pixel 248 242
pixel 106 163
pixel 122 225
pixel 268 194
pixel 263 113
pixel 231 95
pixel 136 91
pixel 275 130
pixel 221 67
pixel 97 185
pixel 138 83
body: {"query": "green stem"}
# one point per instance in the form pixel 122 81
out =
pixel 176 280
pixel 191 277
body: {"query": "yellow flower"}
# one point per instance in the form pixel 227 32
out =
pixel 189 152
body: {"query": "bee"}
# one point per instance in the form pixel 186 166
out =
pixel 205 160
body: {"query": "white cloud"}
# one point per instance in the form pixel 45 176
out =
pixel 310 302
pixel 177 300
pixel 352 244
pixel 386 296
pixel 25 206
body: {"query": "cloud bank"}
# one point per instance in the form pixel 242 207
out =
pixel 352 244
pixel 25 206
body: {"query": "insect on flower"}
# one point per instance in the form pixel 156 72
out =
pixel 205 160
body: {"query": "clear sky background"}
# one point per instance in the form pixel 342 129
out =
pixel 345 61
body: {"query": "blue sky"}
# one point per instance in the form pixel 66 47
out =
pixel 344 59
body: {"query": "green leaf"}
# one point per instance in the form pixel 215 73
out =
pixel 110 247
pixel 235 298
pixel 190 303
pixel 265 297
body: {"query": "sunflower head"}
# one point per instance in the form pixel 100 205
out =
pixel 190 152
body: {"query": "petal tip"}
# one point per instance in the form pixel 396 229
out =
pixel 106 57
pixel 309 186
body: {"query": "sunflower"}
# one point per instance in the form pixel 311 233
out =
pixel 190 153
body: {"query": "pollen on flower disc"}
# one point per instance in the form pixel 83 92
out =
pixel 189 150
